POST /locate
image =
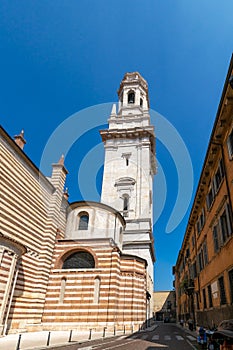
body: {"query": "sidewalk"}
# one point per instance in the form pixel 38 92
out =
pixel 194 333
pixel 38 340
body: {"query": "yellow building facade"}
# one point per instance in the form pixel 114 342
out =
pixel 204 267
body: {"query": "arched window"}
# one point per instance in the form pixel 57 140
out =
pixel 131 97
pixel 141 102
pixel 79 260
pixel 83 221
pixel 125 202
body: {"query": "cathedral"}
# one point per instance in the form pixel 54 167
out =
pixel 80 265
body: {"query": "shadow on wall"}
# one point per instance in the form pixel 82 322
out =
pixel 18 291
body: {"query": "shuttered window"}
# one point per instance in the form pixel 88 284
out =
pixel 230 144
pixel 223 299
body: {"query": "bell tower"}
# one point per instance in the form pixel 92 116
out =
pixel 129 167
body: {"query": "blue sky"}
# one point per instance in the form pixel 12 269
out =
pixel 59 57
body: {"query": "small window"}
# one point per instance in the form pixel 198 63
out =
pixel 216 239
pixel 200 261
pixel 218 176
pixel 223 299
pixel 224 227
pixel 230 274
pixel 79 260
pixel 201 221
pixel 210 296
pixel 131 97
pixel 210 198
pixel 141 102
pixel 83 222
pixel 204 299
pixel 197 300
pixel 205 253
pixel 126 203
pixel 230 144
pixel 194 268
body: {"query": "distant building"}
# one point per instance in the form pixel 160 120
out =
pixel 204 267
pixel 165 305
pixel 85 264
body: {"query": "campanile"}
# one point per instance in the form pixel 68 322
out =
pixel 129 167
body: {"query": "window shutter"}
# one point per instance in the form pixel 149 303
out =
pixel 230 144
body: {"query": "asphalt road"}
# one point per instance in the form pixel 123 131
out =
pixel 165 336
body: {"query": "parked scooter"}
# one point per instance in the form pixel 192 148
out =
pixel 202 338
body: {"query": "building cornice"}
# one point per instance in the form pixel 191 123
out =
pixel 130 133
pixel 79 204
pixel 24 159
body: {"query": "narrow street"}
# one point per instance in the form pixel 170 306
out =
pixel 165 336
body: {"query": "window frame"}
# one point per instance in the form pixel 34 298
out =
pixel 201 221
pixel 210 299
pixel 75 253
pixel 131 93
pixel 205 253
pixel 210 195
pixel 230 144
pixel 219 176
pixel 204 298
pixel 222 291
pixel 216 238
pixel 125 203
pixel 230 278
pixel 83 225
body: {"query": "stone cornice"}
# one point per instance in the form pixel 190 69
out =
pixel 130 133
pixel 133 79
pixel 81 204
pixel 129 118
pixel 136 257
pixel 146 243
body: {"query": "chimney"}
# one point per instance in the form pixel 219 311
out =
pixel 20 140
